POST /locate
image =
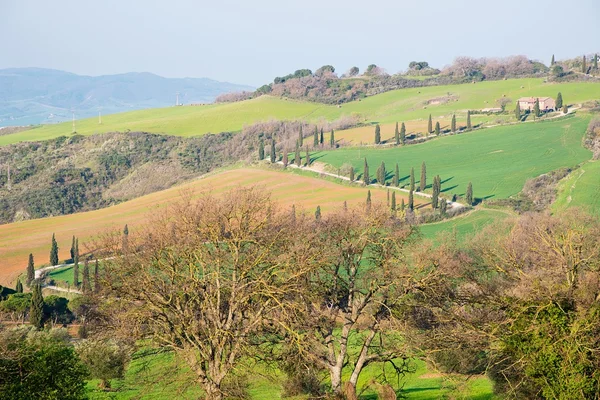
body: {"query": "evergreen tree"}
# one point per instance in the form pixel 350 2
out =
pixel 469 127
pixel 377 134
pixel 559 101
pixel 469 194
pixel 453 123
pixel 30 270
pixel 96 277
pixel 565 109
pixel 381 174
pixel 273 157
pixel 72 251
pixel 36 309
pixel 316 138
pixel 368 200
pixel 403 133
pixel 552 61
pixel 318 213
pixel 396 181
pixel 86 277
pixel 423 182
pixel 435 191
pixel 125 238
pixel 443 206
pixel 437 129
pixel 518 111
pixel 388 197
pixel 300 136
pixel 19 287
pixel 411 200
pixel 429 126
pixel 366 177
pixel 261 150
pixel 297 155
pixel 321 139
pixel 584 66
pixel 402 205
pixel 536 108
pixel 596 62
pixel 307 157
pixel 412 179
pixel 397 135
pixel 76 265
pixel 393 201
pixel 54 251
pixel 285 158
pixel 351 174
pixel 332 139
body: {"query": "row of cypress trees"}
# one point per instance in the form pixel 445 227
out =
pixel 400 134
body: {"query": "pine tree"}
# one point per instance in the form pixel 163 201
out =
pixel 411 201
pixel 396 181
pixel 316 138
pixel 393 201
pixel 76 265
pixel 443 206
pixel 469 127
pixel 307 157
pixel 565 109
pixel 559 101
pixel 377 134
pixel 437 129
pixel 412 179
pixel 19 287
pixel 261 150
pixel 300 136
pixel 518 111
pixel 30 270
pixel 429 126
pixel 552 61
pixel 297 155
pixel 381 174
pixel 86 277
pixel 332 139
pixel 536 108
pixel 469 194
pixel 368 200
pixel 54 251
pixel 423 182
pixel 584 66
pixel 97 277
pixel 36 309
pixel 321 138
pixel 403 133
pixel 318 213
pixel 351 174
pixel 366 177
pixel 72 251
pixel 273 157
pixel 397 134
pixel 453 123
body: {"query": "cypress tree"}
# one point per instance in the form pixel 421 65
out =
pixel 76 265
pixel 596 62
pixel 316 138
pixel 381 174
pixel 411 201
pixel 30 270
pixel 273 151
pixel 377 134
pixel 96 277
pixel 469 194
pixel 559 101
pixel 300 136
pixel 402 205
pixel 297 155
pixel 403 133
pixel 565 109
pixel 423 182
pixel 536 108
pixel 36 309
pixel 435 191
pixel 396 181
pixel 437 129
pixel 125 238
pixel 412 179
pixel 584 66
pixel 393 201
pixel 469 127
pixel 332 139
pixel 429 126
pixel 19 287
pixel 285 158
pixel 443 206
pixel 552 61
pixel 54 251
pixel 388 197
pixel 72 251
pixel 397 134
pixel 307 157
pixel 351 174
pixel 261 150
pixel 368 200
pixel 366 177
pixel 318 213
pixel 321 139
pixel 453 123
pixel 518 111
pixel 86 277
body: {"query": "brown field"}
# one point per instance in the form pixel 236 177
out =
pixel 19 239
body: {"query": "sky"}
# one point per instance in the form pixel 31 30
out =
pixel 252 41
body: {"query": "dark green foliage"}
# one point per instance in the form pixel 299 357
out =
pixel 469 126
pixel 536 108
pixel 443 206
pixel 429 125
pixel 469 194
pixel 368 203
pixel 332 139
pixel 397 134
pixel 396 180
pixel 285 158
pixel 366 177
pixel 518 111
pixel 318 213
pixel 321 138
pixel 15 304
pixel 40 365
pixel 423 181
pixel 76 265
pixel 297 158
pixel 436 188
pixel 559 101
pixel 411 200
pixel 437 129
pixel 19 287
pixel 300 137
pixel 72 251
pixel 96 277
pixel 552 61
pixel 307 161
pixel 126 230
pixel 36 309
pixel 30 270
pixel 565 109
pixel 584 66
pixel 412 179
pixel 56 309
pixel 273 156
pixel 402 205
pixel 403 133
pixel 596 62
pixel 261 150
pixel 351 174
pixel 453 123
pixel 393 206
pixel 54 251
pixel 316 138
pixel 105 359
pixel 377 134
pixel 86 286
pixel 381 174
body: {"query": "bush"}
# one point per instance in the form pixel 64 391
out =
pixel 105 359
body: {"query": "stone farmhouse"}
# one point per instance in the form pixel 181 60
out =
pixel 546 103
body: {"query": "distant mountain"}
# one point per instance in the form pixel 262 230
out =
pixel 36 95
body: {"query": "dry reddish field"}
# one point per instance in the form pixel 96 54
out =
pixel 19 239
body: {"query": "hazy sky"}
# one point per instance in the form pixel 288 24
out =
pixel 253 41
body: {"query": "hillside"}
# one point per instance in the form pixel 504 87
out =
pixel 389 107
pixel 36 95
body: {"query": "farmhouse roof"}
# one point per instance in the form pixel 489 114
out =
pixel 532 99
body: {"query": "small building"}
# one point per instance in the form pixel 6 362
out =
pixel 546 103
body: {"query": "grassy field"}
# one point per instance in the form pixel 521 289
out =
pixel 19 239
pixel 580 189
pixel 497 161
pixel 397 105
pixel 160 375
pixel 463 226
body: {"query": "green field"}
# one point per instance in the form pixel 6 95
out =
pixel 397 105
pixel 580 189
pixel 463 226
pixel 497 160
